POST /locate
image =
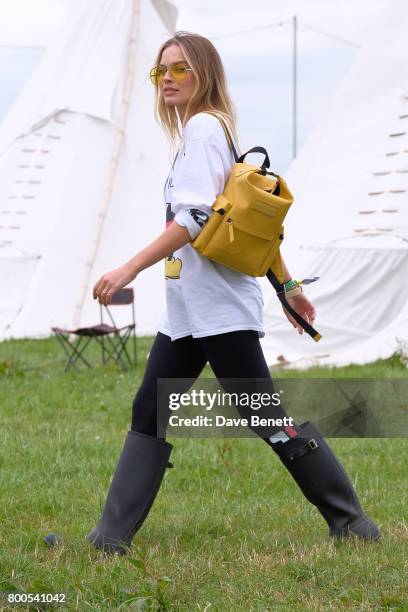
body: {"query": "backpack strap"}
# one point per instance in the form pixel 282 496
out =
pixel 266 162
pixel 227 133
pixel 280 290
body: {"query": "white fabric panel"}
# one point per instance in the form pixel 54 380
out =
pixel 56 148
pixel 355 299
pixel 61 226
pixel 349 224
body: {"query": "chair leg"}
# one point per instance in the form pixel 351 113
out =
pixel 110 351
pixel 117 351
pixel 72 350
pixel 78 353
pixel 121 347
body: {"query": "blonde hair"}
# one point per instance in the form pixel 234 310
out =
pixel 210 92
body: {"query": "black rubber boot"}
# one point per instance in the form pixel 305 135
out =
pixel 324 482
pixel 133 489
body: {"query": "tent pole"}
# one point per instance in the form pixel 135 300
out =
pixel 120 132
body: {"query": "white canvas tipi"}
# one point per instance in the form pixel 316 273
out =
pixel 349 222
pixel 82 167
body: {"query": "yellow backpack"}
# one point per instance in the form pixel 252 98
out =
pixel 245 231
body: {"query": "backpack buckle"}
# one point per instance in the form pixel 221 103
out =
pixel 264 171
pixel 312 444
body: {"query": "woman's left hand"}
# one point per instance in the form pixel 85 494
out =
pixel 304 308
pixel 110 282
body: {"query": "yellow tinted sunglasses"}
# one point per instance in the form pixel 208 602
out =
pixel 177 71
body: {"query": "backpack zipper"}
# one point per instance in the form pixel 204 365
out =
pixel 230 229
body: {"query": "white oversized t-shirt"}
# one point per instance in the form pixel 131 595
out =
pixel 203 298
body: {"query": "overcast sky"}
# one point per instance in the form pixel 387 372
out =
pixel 258 63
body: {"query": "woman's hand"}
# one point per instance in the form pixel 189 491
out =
pixel 110 282
pixel 173 238
pixel 303 307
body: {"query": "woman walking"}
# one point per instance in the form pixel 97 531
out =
pixel 213 314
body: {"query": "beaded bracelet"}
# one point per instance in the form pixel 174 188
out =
pixel 291 288
pixel 290 284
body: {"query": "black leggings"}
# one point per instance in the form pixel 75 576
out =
pixel 236 354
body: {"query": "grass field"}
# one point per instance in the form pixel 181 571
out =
pixel 229 529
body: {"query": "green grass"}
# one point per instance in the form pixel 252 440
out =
pixel 229 529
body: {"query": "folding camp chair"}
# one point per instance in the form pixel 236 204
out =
pixel 112 339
